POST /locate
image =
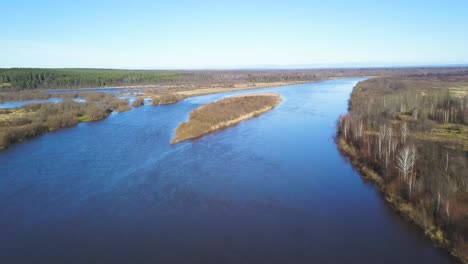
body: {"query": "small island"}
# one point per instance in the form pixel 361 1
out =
pixel 224 113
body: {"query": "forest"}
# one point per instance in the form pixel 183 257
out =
pixel 409 134
pixel 20 79
pixel 14 79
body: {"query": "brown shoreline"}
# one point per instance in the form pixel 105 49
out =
pixel 404 209
pixel 164 97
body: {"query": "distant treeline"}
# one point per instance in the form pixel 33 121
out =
pixel 13 79
pixel 29 78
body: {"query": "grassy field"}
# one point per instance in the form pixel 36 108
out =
pixel 224 113
pixel 412 131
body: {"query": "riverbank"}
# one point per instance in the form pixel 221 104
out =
pixel 407 134
pixel 176 94
pixel 23 123
pixel 32 120
pixel 404 209
pixel 224 113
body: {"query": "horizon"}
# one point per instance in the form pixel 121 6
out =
pixel 260 68
pixel 241 35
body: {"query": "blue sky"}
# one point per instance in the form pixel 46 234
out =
pixel 232 34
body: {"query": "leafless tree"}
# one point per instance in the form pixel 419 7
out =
pixel 386 161
pixel 410 184
pixel 438 201
pixel 415 113
pixel 405 160
pixel 446 164
pixel 345 128
pixel 381 136
pixel 404 132
pixel 447 208
pixel 402 107
pixel 389 135
pixel 360 128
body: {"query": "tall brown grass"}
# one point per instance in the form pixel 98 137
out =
pixel 224 113
pixel 19 124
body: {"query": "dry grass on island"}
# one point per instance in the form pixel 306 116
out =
pixel 225 113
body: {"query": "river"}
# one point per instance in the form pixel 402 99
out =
pixel 273 189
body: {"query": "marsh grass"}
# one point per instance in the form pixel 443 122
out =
pixel 224 113
pixel 31 120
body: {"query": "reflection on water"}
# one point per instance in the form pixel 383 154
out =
pixel 273 189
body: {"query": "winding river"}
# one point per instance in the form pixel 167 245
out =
pixel 273 189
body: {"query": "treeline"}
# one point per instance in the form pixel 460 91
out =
pixel 13 79
pixel 424 100
pixel 29 78
pixel 29 121
pixel 413 133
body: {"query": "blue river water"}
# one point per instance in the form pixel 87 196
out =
pixel 273 189
pixel 17 104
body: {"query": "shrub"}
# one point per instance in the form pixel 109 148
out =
pixel 138 102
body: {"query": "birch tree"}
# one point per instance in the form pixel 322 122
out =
pixel 404 132
pixel 405 160
pixel 345 128
pixel 381 136
pixel 389 135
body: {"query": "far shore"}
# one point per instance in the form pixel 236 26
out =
pixel 184 89
pixel 159 96
pixel 163 97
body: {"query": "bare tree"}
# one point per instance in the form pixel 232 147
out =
pixel 345 128
pixel 410 184
pixel 438 201
pixel 404 132
pixel 389 135
pixel 415 114
pixel 360 129
pixel 405 160
pixel 447 208
pixel 386 161
pixel 381 136
pixel 447 163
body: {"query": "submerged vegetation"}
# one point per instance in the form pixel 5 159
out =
pixel 224 113
pixel 409 134
pixel 21 123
